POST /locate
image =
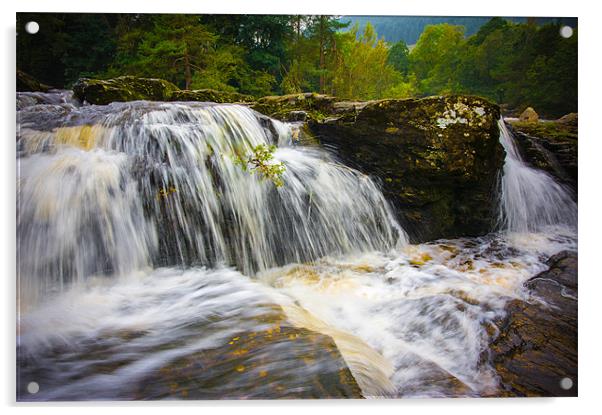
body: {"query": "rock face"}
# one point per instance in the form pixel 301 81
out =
pixel 438 158
pixel 123 88
pixel 529 115
pixel 27 83
pixel 537 343
pixel 130 88
pixel 551 146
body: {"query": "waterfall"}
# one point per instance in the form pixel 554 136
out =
pixel 152 266
pixel 106 190
pixel 530 199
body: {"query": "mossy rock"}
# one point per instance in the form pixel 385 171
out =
pixel 210 95
pixel 551 146
pixel 27 83
pixel 438 159
pixel 123 89
pixel 317 107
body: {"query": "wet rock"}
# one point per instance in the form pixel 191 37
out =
pixel 279 363
pixel 529 115
pixel 550 146
pixel 537 343
pixel 122 89
pixel 438 158
pixel 27 83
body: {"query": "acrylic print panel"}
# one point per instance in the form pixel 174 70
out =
pixel 270 206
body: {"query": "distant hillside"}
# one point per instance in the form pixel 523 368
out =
pixel 409 28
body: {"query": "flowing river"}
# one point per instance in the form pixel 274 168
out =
pixel 151 266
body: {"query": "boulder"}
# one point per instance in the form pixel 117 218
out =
pixel 529 115
pixel 438 158
pixel 27 83
pixel 122 89
pixel 537 343
pixel 569 119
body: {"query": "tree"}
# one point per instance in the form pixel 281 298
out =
pixel 435 58
pixel 399 57
pixel 360 68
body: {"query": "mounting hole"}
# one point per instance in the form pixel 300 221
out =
pixel 566 31
pixel 566 383
pixel 33 387
pixel 32 28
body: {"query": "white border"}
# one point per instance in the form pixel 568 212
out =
pixel 590 160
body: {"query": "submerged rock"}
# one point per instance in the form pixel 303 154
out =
pixel 529 115
pixel 250 366
pixel 537 343
pixel 123 88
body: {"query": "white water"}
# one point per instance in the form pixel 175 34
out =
pixel 118 282
pixel 530 198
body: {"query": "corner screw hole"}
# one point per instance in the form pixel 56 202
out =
pixel 566 31
pixel 32 28
pixel 566 383
pixel 33 387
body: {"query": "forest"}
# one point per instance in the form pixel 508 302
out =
pixel 514 64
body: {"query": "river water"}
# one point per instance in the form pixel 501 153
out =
pixel 150 263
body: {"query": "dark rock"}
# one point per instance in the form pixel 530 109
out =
pixel 550 146
pixel 537 343
pixel 253 366
pixel 438 158
pixel 122 89
pixel 27 83
pixel 210 95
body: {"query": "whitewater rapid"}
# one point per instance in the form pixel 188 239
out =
pixel 120 282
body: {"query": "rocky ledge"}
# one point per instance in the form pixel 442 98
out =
pixel 437 158
pixel 550 146
pixel 131 88
pixel 535 353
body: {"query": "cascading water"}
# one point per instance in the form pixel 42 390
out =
pixel 531 199
pixel 108 189
pixel 152 266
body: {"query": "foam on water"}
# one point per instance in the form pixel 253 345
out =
pixel 142 243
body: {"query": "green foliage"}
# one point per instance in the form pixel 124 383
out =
pixel 360 69
pixel 399 57
pixel 436 56
pixel 260 162
pixel 516 64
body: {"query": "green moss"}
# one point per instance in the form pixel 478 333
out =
pixel 553 130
